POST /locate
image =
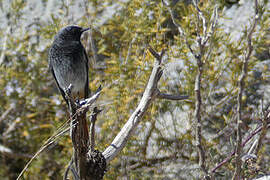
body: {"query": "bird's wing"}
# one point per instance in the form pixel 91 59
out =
pixel 68 50
pixel 58 86
pixel 86 88
pixel 76 46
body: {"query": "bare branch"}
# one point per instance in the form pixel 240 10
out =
pixel 198 98
pixel 201 16
pixel 80 135
pixel 149 95
pixel 202 39
pixel 171 97
pixel 155 54
pixel 89 101
pixel 62 129
pixel 197 117
pixel 237 172
pixel 212 28
pixel 252 148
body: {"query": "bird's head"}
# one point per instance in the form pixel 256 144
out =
pixel 71 33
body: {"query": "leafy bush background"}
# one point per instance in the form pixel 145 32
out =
pixel 163 144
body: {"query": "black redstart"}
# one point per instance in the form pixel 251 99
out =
pixel 68 62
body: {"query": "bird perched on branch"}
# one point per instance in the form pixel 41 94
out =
pixel 68 62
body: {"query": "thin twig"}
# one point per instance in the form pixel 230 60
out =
pixel 171 96
pixel 252 148
pixel 59 132
pixel 149 162
pixel 214 21
pixel 201 16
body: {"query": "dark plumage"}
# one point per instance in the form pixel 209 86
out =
pixel 68 62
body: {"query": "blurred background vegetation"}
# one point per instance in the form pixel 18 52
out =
pixel 31 109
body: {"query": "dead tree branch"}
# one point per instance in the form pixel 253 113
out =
pixel 62 130
pixel 151 92
pixel 237 172
pixel 171 96
pixel 80 135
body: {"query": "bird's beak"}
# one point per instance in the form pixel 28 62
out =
pixel 84 29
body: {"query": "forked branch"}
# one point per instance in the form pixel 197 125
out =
pixel 151 92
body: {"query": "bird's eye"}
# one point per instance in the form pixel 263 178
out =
pixel 73 30
pixel 69 29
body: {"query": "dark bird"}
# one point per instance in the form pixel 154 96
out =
pixel 68 62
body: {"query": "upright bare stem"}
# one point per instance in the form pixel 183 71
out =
pixel 237 172
pixel 202 39
pixel 197 116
